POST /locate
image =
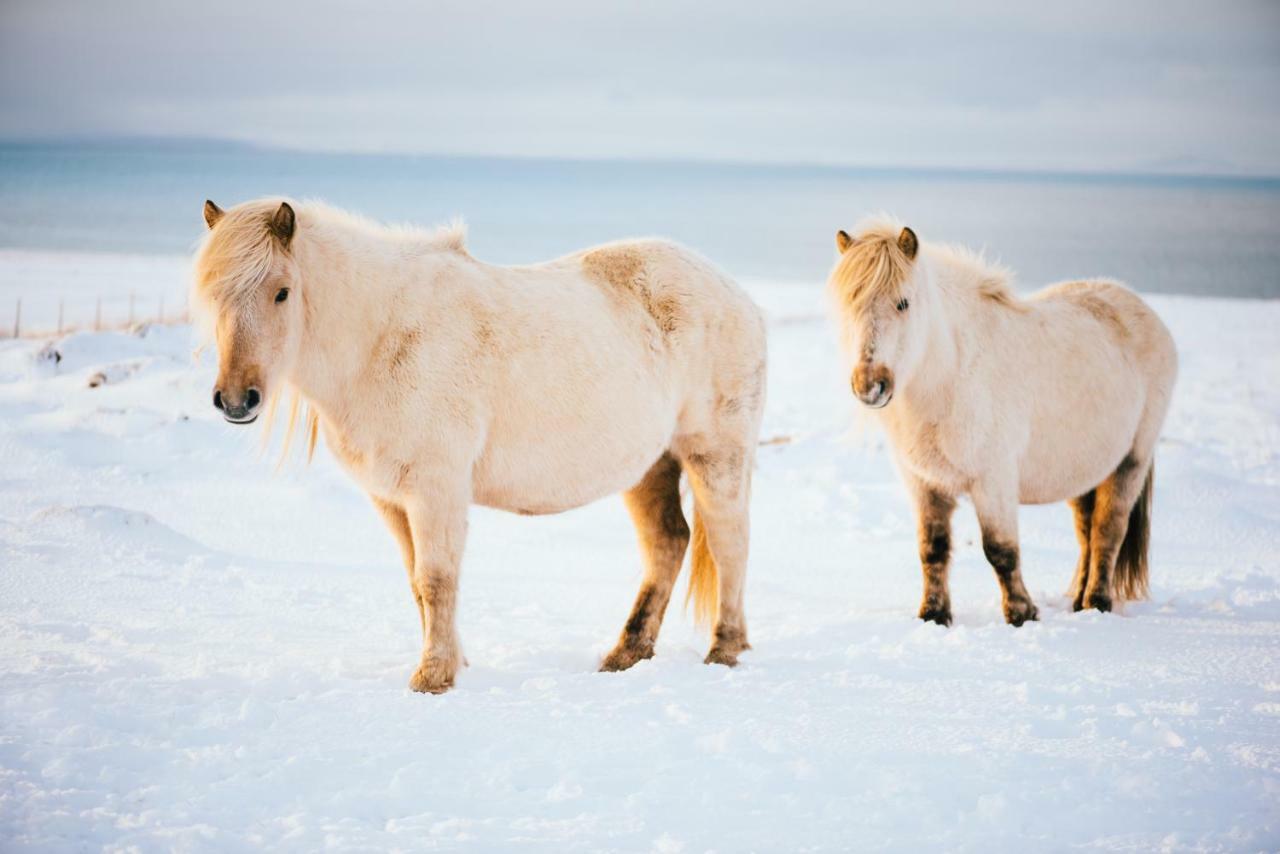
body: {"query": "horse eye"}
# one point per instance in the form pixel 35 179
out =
pixel 902 304
pixel 282 295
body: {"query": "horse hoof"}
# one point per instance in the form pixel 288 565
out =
pixel 941 616
pixel 1098 602
pixel 1021 612
pixel 721 655
pixel 433 676
pixel 624 657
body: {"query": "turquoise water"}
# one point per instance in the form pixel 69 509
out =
pixel 1169 235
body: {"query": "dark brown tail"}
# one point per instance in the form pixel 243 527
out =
pixel 1130 577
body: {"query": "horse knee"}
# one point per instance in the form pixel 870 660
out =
pixel 1002 557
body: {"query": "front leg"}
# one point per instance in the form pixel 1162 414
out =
pixel 933 515
pixel 438 522
pixel 996 500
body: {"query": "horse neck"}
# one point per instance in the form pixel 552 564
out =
pixel 964 325
pixel 932 382
pixel 351 285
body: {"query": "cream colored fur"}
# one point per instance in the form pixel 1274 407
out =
pixel 1004 399
pixel 440 381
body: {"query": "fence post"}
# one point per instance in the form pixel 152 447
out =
pixel 97 317
pixel 131 309
pixel 17 319
pixel 60 307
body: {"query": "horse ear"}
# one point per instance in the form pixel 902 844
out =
pixel 908 242
pixel 282 223
pixel 843 240
pixel 212 213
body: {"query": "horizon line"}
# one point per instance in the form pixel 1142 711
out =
pixel 1051 173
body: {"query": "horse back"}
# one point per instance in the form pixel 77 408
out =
pixel 1113 313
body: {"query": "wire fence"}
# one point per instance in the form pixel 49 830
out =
pixel 106 315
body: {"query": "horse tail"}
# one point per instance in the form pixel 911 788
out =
pixel 1130 577
pixel 704 576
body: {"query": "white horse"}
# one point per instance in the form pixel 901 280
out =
pixel 1060 396
pixel 440 381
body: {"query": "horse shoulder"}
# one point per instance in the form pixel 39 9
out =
pixel 422 392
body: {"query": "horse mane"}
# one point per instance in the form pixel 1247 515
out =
pixel 450 237
pixel 971 270
pixel 873 266
pixel 237 255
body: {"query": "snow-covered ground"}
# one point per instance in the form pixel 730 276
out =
pixel 88 290
pixel 200 653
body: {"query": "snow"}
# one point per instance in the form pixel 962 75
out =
pixel 200 652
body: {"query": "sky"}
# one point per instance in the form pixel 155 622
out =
pixel 1142 85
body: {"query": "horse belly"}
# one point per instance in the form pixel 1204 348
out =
pixel 1049 484
pixel 1073 455
pixel 538 464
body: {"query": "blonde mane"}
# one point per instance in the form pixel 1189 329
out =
pixel 237 255
pixel 451 236
pixel 969 269
pixel 875 266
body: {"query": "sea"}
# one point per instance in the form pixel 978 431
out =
pixel 1197 235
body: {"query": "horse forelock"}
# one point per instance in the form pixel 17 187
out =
pixel 874 267
pixel 236 256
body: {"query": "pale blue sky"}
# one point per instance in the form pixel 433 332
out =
pixel 1150 85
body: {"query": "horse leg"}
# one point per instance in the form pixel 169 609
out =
pixel 438 525
pixel 654 504
pixel 1116 497
pixel 997 506
pixel 721 481
pixel 398 522
pixel 933 514
pixel 1082 508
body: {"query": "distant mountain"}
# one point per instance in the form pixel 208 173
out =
pixel 196 145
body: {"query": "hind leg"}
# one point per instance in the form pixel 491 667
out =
pixel 1115 500
pixel 398 523
pixel 721 481
pixel 654 504
pixel 1082 509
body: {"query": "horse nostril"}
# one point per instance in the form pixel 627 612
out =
pixel 251 399
pixel 217 400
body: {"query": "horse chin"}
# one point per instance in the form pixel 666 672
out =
pixel 881 403
pixel 241 421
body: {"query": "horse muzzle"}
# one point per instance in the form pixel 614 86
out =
pixel 238 409
pixel 873 385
